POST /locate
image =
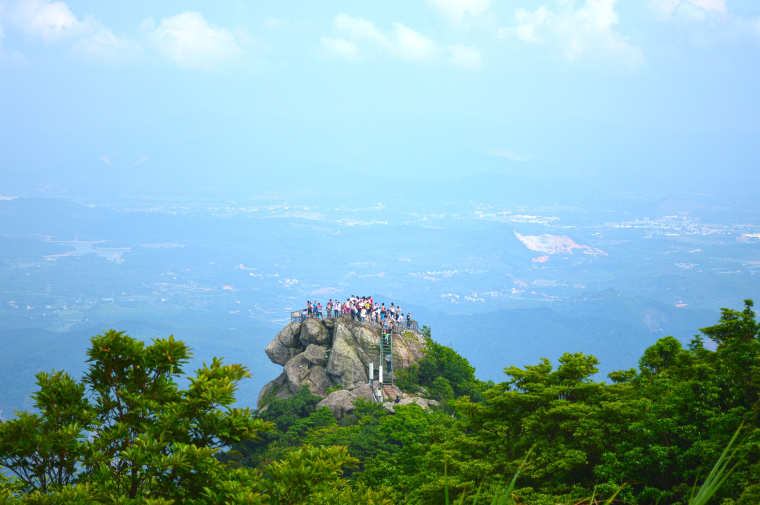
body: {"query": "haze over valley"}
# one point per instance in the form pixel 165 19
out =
pixel 495 281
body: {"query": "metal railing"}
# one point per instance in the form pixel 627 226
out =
pixel 394 326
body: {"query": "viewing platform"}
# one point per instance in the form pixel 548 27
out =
pixel 393 327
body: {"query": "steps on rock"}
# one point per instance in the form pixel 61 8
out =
pixel 388 392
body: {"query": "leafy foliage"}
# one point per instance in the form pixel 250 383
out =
pixel 442 372
pixel 658 429
pixel 291 417
pixel 128 434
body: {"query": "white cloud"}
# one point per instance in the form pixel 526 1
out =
pixel 359 28
pixel 711 5
pixel 102 43
pixel 690 8
pixel 47 20
pixel 106 160
pixel 465 57
pixel 402 41
pixel 716 23
pixel 412 45
pixel 55 22
pixel 189 41
pixel 288 283
pixel 340 47
pixel 581 31
pixel 457 10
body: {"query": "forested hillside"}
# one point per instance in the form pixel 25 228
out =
pixel 128 433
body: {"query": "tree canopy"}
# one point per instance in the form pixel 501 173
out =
pixel 127 433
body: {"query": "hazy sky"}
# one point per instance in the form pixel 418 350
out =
pixel 230 96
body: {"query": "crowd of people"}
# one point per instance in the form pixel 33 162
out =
pixel 360 308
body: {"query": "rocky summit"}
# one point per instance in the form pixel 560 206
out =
pixel 334 355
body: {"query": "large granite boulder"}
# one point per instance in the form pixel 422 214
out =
pixel 297 371
pixel 289 335
pixel 364 391
pixel 341 402
pixel 316 354
pixel 285 345
pixel 314 331
pixel 408 349
pixel 346 366
pixel 277 352
pixel 425 403
pixel 323 355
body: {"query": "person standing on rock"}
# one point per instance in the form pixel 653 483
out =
pixel 309 308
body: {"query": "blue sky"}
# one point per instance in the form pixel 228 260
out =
pixel 240 97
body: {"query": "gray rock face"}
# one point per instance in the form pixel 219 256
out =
pixel 339 402
pixel 316 354
pixel 345 365
pixel 289 335
pixel 364 391
pixel 275 385
pixel 389 399
pixel 285 344
pixel 314 332
pixel 277 352
pixel 334 353
pixel 297 371
pixel 319 382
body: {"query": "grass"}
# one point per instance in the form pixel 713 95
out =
pixel 721 471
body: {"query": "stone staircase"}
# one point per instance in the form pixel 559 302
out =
pixel 388 392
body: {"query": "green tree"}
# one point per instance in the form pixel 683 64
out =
pixel 43 449
pixel 291 417
pixel 129 434
pixel 737 358
pixel 687 404
pixel 390 447
pixel 443 372
pixel 308 470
